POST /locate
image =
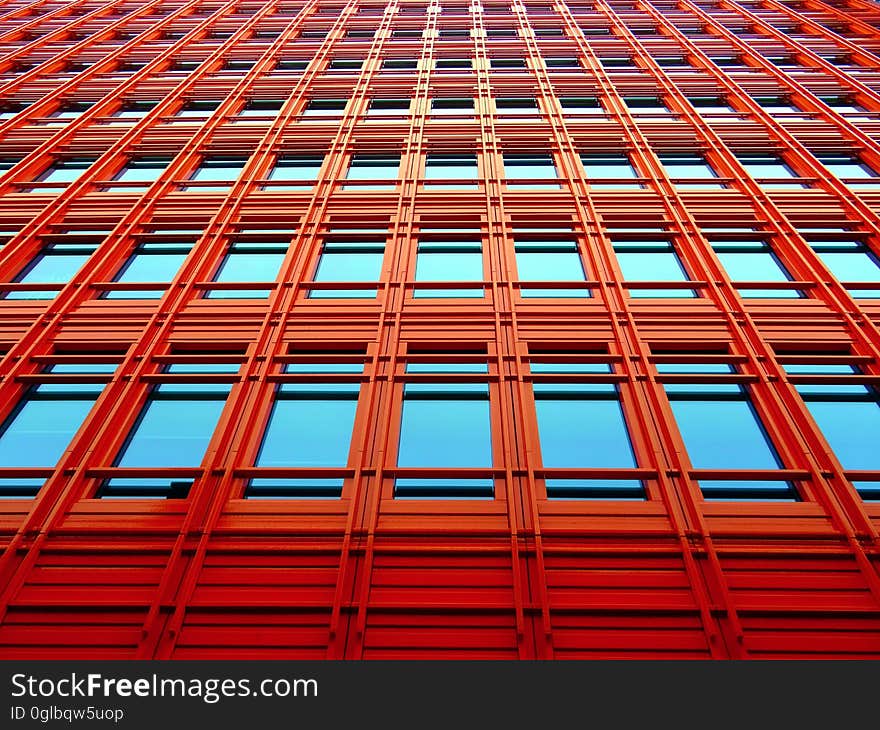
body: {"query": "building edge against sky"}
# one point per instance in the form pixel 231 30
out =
pixel 414 329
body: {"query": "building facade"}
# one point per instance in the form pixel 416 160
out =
pixel 415 329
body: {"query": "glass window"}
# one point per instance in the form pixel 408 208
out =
pixel 848 415
pixel 570 63
pixel 452 106
pixel 173 430
pixel 223 170
pixel 318 362
pixel 349 259
pixel 310 426
pixel 373 167
pixel 452 167
pixel 531 167
pixel 651 261
pixel 135 109
pixel 843 105
pixel 768 170
pixel 251 262
pixel 721 430
pixel 238 65
pixel 62 171
pixel 448 261
pixel 345 64
pixel 851 170
pixel 389 107
pixel 153 261
pixel 507 63
pixel 616 62
pixel 780 107
pixel 691 172
pixel 9 109
pixel 199 109
pixel 754 261
pixel 289 64
pixel 546 259
pixel 70 110
pixel 517 107
pixel 445 426
pixel 262 108
pixel 709 106
pixel 576 105
pixel 399 64
pixel 302 171
pixel 325 108
pixel 851 262
pixel 581 426
pixel 143 170
pixel 54 264
pixel 449 64
pixel 40 428
pixel 648 105
pixel 612 172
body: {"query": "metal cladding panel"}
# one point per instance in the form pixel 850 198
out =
pixel 343 208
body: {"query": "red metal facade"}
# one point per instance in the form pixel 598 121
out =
pixel 213 573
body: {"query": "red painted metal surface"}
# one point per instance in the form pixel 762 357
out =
pixel 217 575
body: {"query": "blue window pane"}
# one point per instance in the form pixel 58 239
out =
pixel 295 169
pixel 337 266
pixel 850 428
pixel 752 266
pixel 149 264
pixel 139 171
pixel 324 367
pixel 771 168
pixel 754 261
pixel 445 431
pixel 627 489
pixel 246 266
pixel 652 261
pixel 723 434
pixel 310 488
pixel 852 264
pixel 64 171
pixel 617 168
pixel 531 167
pixel 582 433
pixel 755 489
pixel 695 367
pixel 373 168
pixel 355 262
pixel 690 168
pixel 50 267
pixel 444 488
pixel 240 266
pixel 447 367
pixel 452 167
pixel 452 261
pixel 801 368
pixel 550 261
pixel 172 433
pixel 308 432
pixel 569 367
pixel 218 170
pixel 447 266
pixel 549 266
pixel 152 267
pixel 37 433
pixel 848 168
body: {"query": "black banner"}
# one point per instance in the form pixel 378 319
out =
pixel 541 695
